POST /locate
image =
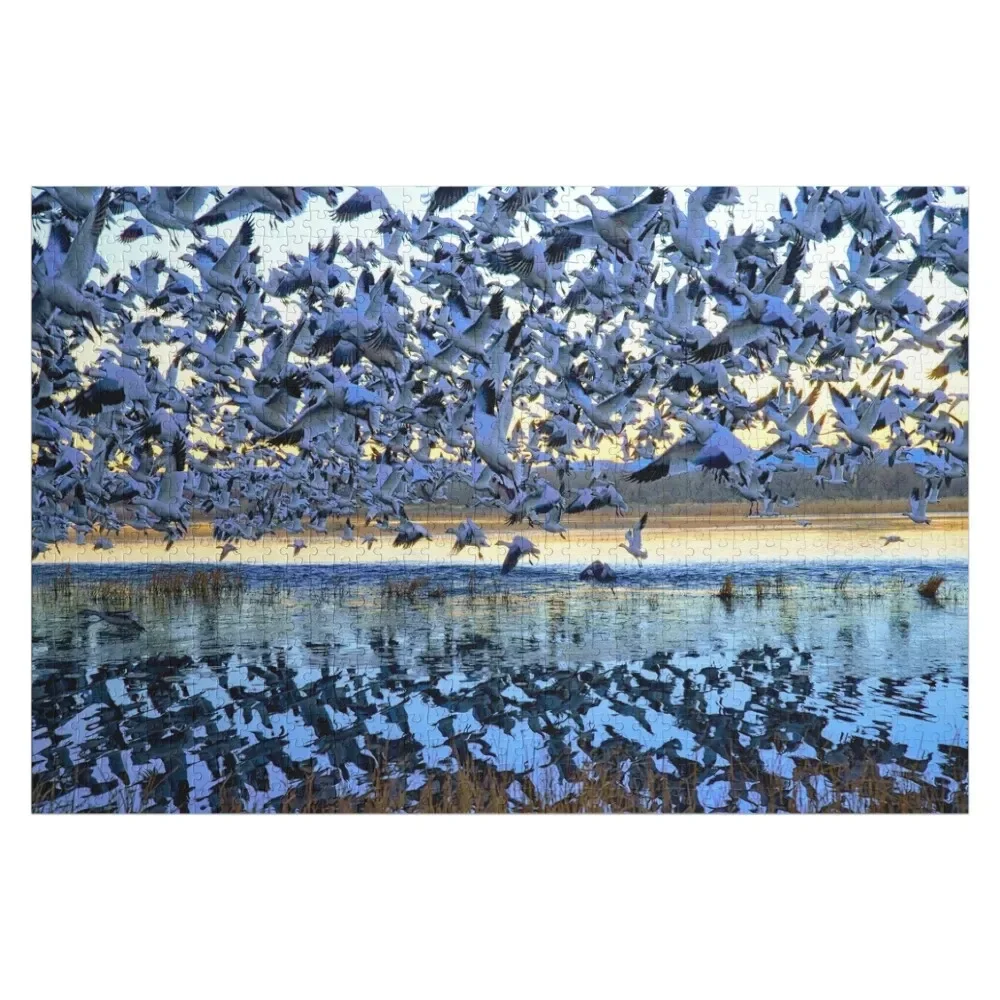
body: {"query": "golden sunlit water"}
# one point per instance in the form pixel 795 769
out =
pixel 688 538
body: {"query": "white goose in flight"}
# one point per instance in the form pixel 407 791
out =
pixel 169 504
pixel 468 533
pixel 222 271
pixel 363 201
pixel 691 234
pixel 173 209
pixel 633 540
pixel 551 522
pixel 65 289
pixel 620 230
pixel 492 418
pixel 918 508
pixel 409 533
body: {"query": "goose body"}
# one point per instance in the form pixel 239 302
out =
pixel 633 540
pixel 517 548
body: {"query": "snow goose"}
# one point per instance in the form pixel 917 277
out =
pixel 468 533
pixel 363 201
pixel 599 572
pixel 633 540
pixel 409 533
pixel 918 508
pixel 65 290
pixel 618 229
pixel 517 547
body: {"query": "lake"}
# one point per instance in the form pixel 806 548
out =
pixel 296 672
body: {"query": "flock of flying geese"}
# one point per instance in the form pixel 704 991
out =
pixel 480 341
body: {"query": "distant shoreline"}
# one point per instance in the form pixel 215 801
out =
pixel 724 511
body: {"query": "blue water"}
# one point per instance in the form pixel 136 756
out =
pixel 317 670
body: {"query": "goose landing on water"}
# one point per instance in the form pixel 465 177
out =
pixel 600 572
pixel 517 547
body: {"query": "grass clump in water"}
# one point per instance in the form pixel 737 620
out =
pixel 167 585
pixel 404 590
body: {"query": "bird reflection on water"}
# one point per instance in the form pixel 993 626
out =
pixel 318 676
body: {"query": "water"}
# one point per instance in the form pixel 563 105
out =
pixel 314 670
pixel 718 539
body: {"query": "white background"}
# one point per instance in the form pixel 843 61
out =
pixel 108 93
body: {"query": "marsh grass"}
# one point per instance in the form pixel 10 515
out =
pixel 488 590
pixel 414 589
pixel 616 786
pixel 394 591
pixel 206 585
pixel 848 782
pixel 763 587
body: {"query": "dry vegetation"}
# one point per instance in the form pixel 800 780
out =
pixel 843 588
pixel 601 788
pixel 161 585
pixel 403 590
pixel 415 589
pixel 610 787
pixel 763 587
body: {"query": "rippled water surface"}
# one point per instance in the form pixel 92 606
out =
pixel 317 670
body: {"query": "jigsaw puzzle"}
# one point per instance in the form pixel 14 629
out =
pixel 499 499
